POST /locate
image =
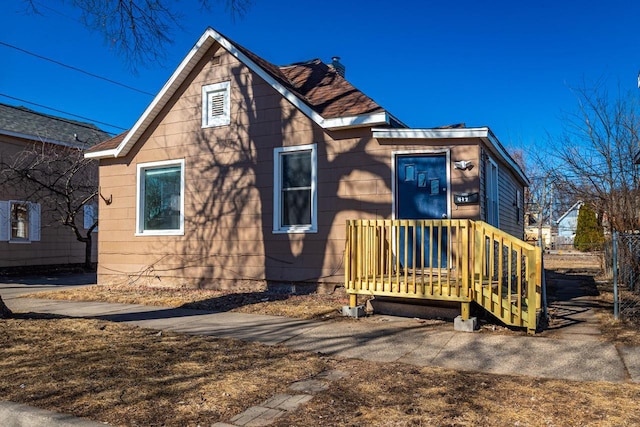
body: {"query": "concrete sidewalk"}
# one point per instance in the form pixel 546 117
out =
pixel 377 338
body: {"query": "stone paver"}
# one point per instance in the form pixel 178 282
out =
pixel 256 416
pixel 287 402
pixel 332 375
pixel 309 386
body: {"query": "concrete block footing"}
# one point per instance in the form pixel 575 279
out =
pixel 357 311
pixel 469 325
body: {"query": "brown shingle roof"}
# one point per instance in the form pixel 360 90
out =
pixel 320 86
pixel 327 92
pixel 109 144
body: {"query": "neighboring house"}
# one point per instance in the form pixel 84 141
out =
pixel 30 235
pixel 534 233
pixel 241 173
pixel 567 225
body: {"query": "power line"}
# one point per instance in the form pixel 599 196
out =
pixel 63 112
pixel 75 68
pixel 57 12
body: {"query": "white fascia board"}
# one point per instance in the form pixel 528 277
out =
pixel 189 62
pixel 288 95
pixel 36 138
pixel 507 157
pixel 430 133
pixel 104 154
pixel 355 121
pixel 160 100
pixel 577 204
pixel 169 88
pixel 481 132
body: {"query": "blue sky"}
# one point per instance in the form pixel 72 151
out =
pixel 503 64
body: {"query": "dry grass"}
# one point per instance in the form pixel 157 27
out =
pixel 309 306
pixel 128 376
pixel 573 260
pixel 617 331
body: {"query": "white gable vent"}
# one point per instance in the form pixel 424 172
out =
pixel 216 104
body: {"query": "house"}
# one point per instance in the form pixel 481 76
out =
pixel 242 174
pixel 543 233
pixel 30 234
pixel 567 225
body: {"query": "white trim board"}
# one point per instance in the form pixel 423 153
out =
pixel 483 133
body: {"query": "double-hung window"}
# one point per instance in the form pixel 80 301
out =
pixel 19 221
pixel 295 181
pixel 160 198
pixel 216 109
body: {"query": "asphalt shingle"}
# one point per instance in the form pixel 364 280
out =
pixel 35 125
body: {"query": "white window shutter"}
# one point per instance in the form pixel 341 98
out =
pixel 34 222
pixel 5 223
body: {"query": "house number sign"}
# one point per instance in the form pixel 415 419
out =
pixel 466 198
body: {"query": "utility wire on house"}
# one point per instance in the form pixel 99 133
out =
pixel 71 67
pixel 61 111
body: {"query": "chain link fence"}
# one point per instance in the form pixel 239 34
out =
pixel 624 252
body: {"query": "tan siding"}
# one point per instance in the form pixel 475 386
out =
pixel 58 244
pixel 228 240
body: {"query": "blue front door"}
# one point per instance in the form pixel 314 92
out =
pixel 421 193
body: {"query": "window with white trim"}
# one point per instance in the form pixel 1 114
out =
pixel 19 221
pixel 216 100
pixel 160 198
pixel 295 181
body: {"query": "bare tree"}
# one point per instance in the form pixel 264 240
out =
pixel 543 198
pixel 594 155
pixel 62 180
pixel 5 313
pixel 140 30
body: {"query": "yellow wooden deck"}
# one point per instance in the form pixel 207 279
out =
pixel 471 261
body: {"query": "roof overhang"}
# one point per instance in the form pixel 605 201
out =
pixel 483 133
pixel 576 205
pixel 194 56
pixel 374 119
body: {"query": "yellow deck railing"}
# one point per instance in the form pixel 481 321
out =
pixel 450 260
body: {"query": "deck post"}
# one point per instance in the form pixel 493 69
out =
pixel 353 300
pixel 533 283
pixel 465 310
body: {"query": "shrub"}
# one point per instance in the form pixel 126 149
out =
pixel 589 233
